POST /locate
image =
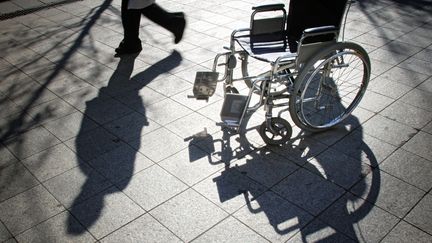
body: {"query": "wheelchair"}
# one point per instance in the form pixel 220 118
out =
pixel 313 73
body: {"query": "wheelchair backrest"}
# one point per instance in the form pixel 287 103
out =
pixel 304 14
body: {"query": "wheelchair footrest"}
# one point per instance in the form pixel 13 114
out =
pixel 204 85
pixel 233 108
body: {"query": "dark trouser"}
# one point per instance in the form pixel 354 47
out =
pixel 131 20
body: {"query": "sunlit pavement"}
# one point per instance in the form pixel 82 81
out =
pixel 98 148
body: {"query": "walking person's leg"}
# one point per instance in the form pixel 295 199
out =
pixel 174 22
pixel 130 21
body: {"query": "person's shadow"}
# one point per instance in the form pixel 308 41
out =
pixel 97 143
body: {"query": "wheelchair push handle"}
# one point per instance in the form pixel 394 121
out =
pixel 269 7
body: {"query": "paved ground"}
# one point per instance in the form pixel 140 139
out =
pixel 94 147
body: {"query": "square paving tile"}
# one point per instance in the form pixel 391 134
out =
pixel 143 229
pixel 56 229
pixel 265 168
pixel 405 76
pixel 375 102
pixel 106 212
pixel 421 215
pixel 190 165
pixel 419 98
pixel 318 231
pixel 426 85
pixel 388 130
pixel 388 87
pixel 420 145
pixel 186 127
pixel 354 217
pixel 120 163
pixel 417 65
pixel 70 126
pixel 105 110
pixel 393 195
pixel 364 147
pixel 152 187
pixel 166 111
pixel 6 157
pixel 309 191
pixel 410 168
pixel 407 114
pixel 31 142
pixel 230 230
pixel 92 144
pixel 188 215
pixel 51 162
pixel 404 232
pixel 428 128
pixel 273 217
pixel 4 233
pixel 338 168
pixel 76 185
pixel 160 144
pixel 15 179
pixel 28 209
pixel 132 126
pixel 229 189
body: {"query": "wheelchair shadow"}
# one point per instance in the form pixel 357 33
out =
pixel 105 159
pixel 298 191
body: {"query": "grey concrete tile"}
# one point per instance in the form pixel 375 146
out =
pixel 6 157
pixel 166 111
pixel 402 48
pixel 212 111
pixel 407 114
pixel 364 148
pixel 79 99
pixel 421 215
pixel 338 168
pixel 91 144
pixel 388 130
pixel 388 88
pixel 193 103
pixel 265 168
pixel 131 127
pixel 404 232
pixel 417 65
pixel 31 142
pixel 299 150
pixel 120 163
pixel 153 143
pixel 273 217
pixel 190 165
pixel 104 110
pixel 379 67
pixel 28 209
pixel 317 231
pixel 336 133
pixel 426 85
pixel 70 126
pixel 187 126
pixel 76 185
pixel 7 107
pixel 425 55
pixel 354 216
pixel 395 196
pixel 51 110
pixel 139 99
pixel 106 212
pixel 387 56
pixel 30 94
pixel 418 98
pixel 186 210
pixel 404 76
pixel 143 229
pixel 372 40
pixel 420 145
pixel 15 179
pixel 223 232
pixel 4 233
pixel 51 162
pixel 320 192
pixel 428 128
pixel 375 102
pixel 56 229
pixel 229 189
pixel 152 187
pixel 410 168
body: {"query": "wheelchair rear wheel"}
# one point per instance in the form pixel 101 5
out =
pixel 329 86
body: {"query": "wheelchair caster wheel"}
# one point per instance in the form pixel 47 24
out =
pixel 281 133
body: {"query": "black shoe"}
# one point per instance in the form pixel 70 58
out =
pixel 180 23
pixel 124 49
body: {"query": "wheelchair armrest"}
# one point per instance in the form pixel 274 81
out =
pixel 269 7
pixel 324 30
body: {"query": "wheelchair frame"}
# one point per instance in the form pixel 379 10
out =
pixel 291 76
